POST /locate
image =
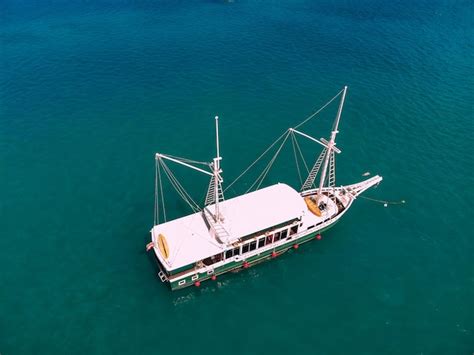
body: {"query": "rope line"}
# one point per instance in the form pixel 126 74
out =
pixel 185 160
pixel 283 135
pixel 296 158
pixel 385 203
pixel 302 156
pixel 156 217
pixel 251 165
pixel 318 111
pixel 162 195
pixel 267 169
pixel 179 188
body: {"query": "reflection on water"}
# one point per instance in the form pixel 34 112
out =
pixel 232 280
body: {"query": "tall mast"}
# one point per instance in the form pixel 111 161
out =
pixel 217 136
pixel 216 171
pixel 332 142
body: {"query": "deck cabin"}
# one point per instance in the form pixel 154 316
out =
pixel 250 222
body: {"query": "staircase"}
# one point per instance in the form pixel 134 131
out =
pixel 216 227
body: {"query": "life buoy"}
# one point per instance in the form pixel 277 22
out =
pixel 163 246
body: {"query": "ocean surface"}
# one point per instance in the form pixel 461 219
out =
pixel 91 90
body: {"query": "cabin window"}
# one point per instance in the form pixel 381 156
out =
pixel 195 277
pixel 182 282
pixel 208 261
pixel 213 259
pixel 269 239
pixel 277 237
pixel 237 251
pixel 294 230
pixel 310 227
pixel 228 254
pixel 253 245
pixel 245 248
pixel 261 242
pixel 284 234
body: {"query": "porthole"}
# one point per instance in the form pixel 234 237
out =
pixel 195 277
pixel 181 283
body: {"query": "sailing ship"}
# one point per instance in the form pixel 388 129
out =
pixel 226 235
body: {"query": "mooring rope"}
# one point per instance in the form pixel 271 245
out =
pixel 385 203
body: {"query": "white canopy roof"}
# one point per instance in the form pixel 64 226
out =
pixel 189 239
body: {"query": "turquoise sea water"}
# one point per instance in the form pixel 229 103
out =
pixel 90 90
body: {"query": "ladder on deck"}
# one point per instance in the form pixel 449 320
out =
pixel 211 193
pixel 220 232
pixel 314 171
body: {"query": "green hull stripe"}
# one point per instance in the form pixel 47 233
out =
pixel 239 264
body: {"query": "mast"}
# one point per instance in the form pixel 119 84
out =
pixel 331 142
pixel 216 172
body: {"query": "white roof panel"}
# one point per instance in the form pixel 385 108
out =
pixel 189 239
pixel 255 211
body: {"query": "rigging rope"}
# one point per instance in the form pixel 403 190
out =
pixel 156 217
pixel 301 154
pixel 279 138
pixel 268 167
pixel 162 195
pixel 251 165
pixel 296 158
pixel 179 188
pixel 322 108
pixel 185 160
